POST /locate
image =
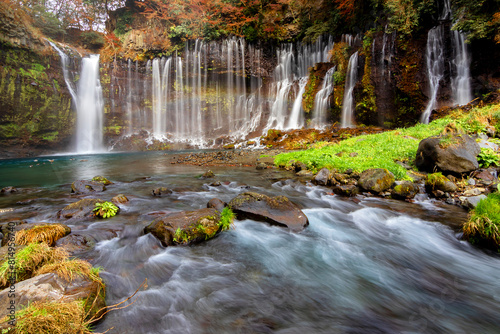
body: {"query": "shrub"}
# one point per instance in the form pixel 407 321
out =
pixel 92 39
pixel 483 226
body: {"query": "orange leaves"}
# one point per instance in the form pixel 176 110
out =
pixel 347 8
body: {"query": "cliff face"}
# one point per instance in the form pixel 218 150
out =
pixel 35 106
pixel 392 87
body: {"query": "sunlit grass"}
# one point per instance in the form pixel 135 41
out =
pixel 383 150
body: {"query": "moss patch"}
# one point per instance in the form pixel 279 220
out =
pixel 483 226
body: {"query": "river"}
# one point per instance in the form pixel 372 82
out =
pixel 363 265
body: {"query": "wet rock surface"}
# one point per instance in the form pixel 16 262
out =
pixel 87 187
pixel 376 180
pixel 83 209
pixel 277 210
pixel 450 153
pixel 186 227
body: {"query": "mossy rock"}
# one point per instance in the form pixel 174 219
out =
pixel 437 181
pixel 101 179
pixel 376 180
pixel 277 210
pixel 405 190
pixel 186 227
pixel 79 210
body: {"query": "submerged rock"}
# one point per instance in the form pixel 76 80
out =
pixel 449 153
pixel 79 210
pixel 277 210
pixel 376 180
pixel 186 227
pixel 87 187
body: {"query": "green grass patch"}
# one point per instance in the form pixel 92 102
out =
pixel 383 150
pixel 483 226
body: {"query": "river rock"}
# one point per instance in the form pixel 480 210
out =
pixel 473 201
pixel 405 190
pixel 161 191
pixel 186 227
pixel 346 190
pixel 304 173
pixel 52 287
pixel 484 175
pixel 376 180
pixel 207 175
pixel 86 187
pixel 260 166
pixel 277 210
pixel 101 179
pixel 455 155
pixel 322 177
pixel 119 199
pixel 216 204
pixel 472 192
pixel 8 190
pixel 79 210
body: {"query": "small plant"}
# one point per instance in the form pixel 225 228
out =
pixel 488 158
pixel 226 219
pixel 41 233
pixel 180 236
pixel 105 210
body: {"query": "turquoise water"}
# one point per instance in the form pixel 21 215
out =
pixel 362 266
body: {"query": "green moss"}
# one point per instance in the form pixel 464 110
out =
pixel 310 91
pixel 226 218
pixel 483 226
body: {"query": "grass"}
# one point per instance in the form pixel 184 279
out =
pixel 29 260
pixel 69 269
pixel 383 150
pixel 483 226
pixel 52 317
pixel 41 233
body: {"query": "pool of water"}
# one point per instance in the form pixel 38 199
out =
pixel 363 265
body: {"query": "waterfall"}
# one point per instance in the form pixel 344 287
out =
pixel 297 115
pixel 435 67
pixel 129 96
pixel 321 100
pixel 283 81
pixel 461 87
pixel 89 122
pixel 347 117
pixel 64 65
pixel 157 99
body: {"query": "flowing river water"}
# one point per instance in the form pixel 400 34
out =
pixel 361 266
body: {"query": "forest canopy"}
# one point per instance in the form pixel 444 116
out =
pixel 279 20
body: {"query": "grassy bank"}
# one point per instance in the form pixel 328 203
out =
pixel 383 150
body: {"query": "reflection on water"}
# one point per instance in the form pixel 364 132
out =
pixel 371 267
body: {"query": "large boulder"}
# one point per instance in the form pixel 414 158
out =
pixel 376 180
pixel 52 287
pixel 449 153
pixel 87 187
pixel 277 210
pixel 186 227
pixel 79 210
